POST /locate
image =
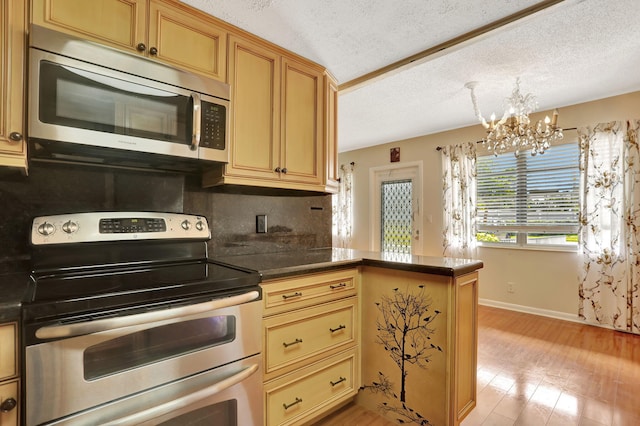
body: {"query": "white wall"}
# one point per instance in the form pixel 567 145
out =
pixel 543 280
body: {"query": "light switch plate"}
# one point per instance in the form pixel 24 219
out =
pixel 261 223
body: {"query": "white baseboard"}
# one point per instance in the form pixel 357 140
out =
pixel 530 310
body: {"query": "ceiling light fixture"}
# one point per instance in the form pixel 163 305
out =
pixel 514 131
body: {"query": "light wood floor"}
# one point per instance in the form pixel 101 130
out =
pixel 538 371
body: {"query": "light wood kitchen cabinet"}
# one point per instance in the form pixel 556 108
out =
pixel 434 373
pixel 311 345
pixel 331 133
pixel 312 391
pixel 276 120
pixel 254 76
pixel 297 338
pixel 290 294
pixel 12 84
pixel 163 29
pixel 9 382
pixel 302 156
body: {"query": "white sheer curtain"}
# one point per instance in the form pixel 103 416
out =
pixel 459 199
pixel 343 208
pixel 610 225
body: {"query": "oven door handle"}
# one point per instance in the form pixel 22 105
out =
pixel 185 401
pixel 107 324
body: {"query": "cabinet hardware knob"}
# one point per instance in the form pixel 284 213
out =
pixel 8 405
pixel 284 170
pixel 297 401
pixel 153 51
pixel 289 296
pixel 342 379
pixel 333 287
pixel 15 136
pixel 141 47
pixel 277 170
pixel 295 342
pixel 340 327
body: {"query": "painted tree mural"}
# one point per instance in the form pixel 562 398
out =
pixel 404 330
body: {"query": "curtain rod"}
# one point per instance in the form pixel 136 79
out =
pixel 439 148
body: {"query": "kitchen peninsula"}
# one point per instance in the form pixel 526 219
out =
pixel 396 332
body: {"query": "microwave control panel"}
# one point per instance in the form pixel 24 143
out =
pixel 213 127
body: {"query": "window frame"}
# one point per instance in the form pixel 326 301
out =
pixel 522 235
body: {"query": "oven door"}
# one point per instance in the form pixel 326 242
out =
pixel 226 396
pixel 108 359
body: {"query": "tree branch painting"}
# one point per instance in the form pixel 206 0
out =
pixel 404 331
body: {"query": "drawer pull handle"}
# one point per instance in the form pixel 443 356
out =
pixel 297 401
pixel 340 327
pixel 333 287
pixel 289 296
pixel 342 379
pixel 8 405
pixel 15 136
pixel 295 342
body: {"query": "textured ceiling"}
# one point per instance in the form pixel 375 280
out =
pixel 571 52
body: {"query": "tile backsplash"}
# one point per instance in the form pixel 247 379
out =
pixel 294 222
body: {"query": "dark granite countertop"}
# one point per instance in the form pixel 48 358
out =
pixel 12 288
pixel 290 263
pixel 276 265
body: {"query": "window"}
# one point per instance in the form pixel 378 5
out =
pixel 529 201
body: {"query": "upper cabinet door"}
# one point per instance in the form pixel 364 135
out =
pixel 302 117
pixel 331 134
pixel 168 31
pixel 190 41
pixel 12 84
pixel 254 75
pixel 119 23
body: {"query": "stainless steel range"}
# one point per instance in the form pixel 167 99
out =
pixel 128 322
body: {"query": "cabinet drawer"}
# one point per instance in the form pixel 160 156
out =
pixel 308 333
pixel 309 290
pixel 9 390
pixel 8 347
pixel 297 398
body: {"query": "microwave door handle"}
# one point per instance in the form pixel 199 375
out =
pixel 176 404
pixel 197 114
pixel 106 324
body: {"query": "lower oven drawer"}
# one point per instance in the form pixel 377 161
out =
pixel 226 396
pixel 298 397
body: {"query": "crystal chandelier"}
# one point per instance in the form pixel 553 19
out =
pixel 514 131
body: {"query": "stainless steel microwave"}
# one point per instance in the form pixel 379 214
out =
pixel 89 103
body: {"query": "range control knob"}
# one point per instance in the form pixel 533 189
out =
pixel 70 227
pixel 186 225
pixel 199 225
pixel 46 228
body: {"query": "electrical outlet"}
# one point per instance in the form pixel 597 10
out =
pixel 261 223
pixel 511 287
